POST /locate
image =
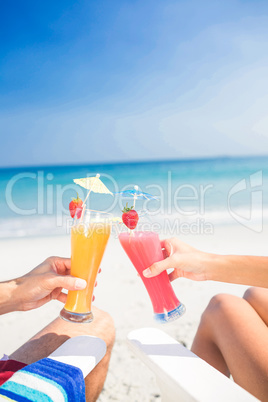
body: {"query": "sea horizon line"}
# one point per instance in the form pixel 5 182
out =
pixel 136 162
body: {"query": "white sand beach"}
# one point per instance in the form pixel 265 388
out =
pixel 121 293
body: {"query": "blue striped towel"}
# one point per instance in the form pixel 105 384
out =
pixel 45 381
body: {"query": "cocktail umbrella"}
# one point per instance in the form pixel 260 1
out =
pixel 92 184
pixel 135 194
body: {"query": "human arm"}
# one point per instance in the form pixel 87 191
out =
pixel 194 264
pixel 42 284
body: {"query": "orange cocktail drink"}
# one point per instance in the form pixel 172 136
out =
pixel 89 238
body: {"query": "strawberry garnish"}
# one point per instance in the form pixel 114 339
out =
pixel 130 217
pixel 75 207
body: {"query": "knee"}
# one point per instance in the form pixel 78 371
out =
pixel 219 309
pixel 251 295
pixel 109 327
pixel 103 317
pixel 220 304
pixel 105 326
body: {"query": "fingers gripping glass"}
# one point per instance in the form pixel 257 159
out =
pixel 143 249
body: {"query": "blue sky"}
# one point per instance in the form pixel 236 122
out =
pixel 101 81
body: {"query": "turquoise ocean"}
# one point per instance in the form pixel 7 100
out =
pixel 198 192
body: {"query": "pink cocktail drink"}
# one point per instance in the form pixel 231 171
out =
pixel 143 249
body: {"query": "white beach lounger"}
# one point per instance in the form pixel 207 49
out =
pixel 83 351
pixel 181 375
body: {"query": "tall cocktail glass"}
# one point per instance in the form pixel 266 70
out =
pixel 143 249
pixel 89 237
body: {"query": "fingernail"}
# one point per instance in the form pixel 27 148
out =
pixel 147 272
pixel 80 284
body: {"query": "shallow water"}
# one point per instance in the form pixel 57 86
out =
pixel 196 194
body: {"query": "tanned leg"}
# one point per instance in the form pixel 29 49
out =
pixel 233 338
pixel 58 331
pixel 258 299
